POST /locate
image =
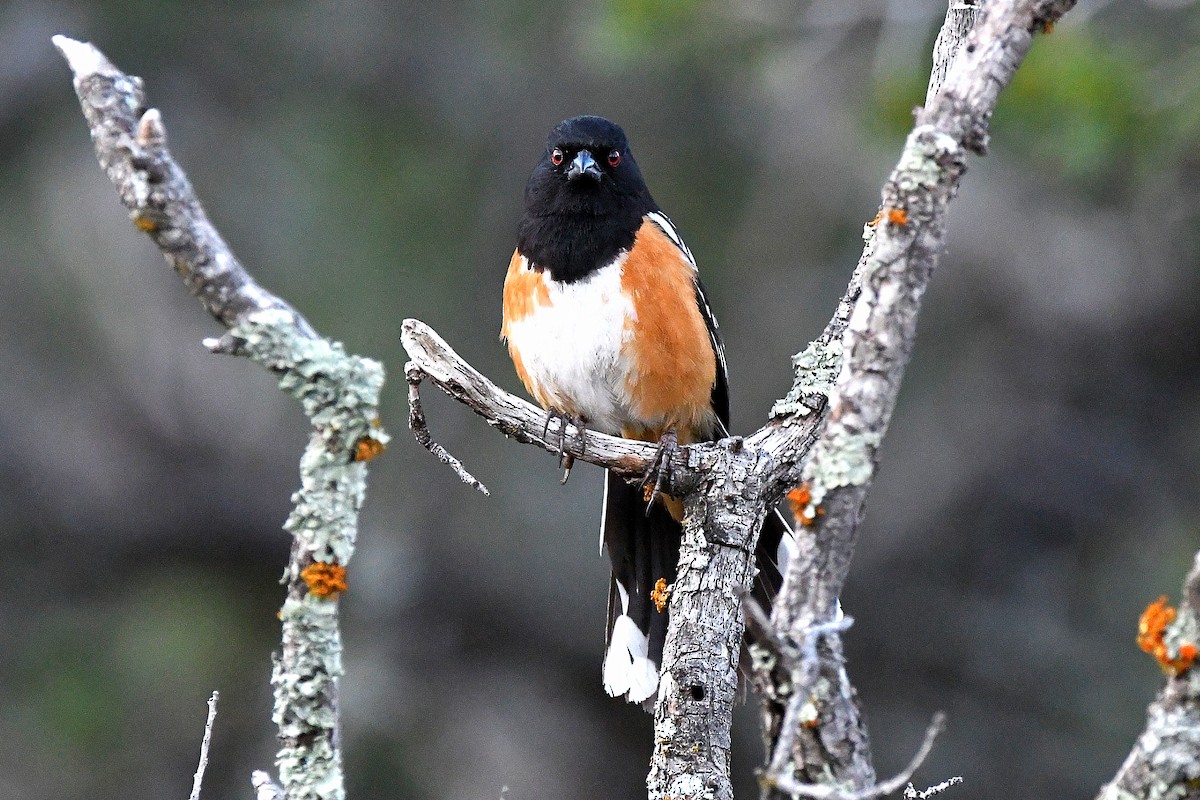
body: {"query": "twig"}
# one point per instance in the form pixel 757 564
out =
pixel 198 778
pixel 827 792
pixel 912 794
pixel 420 431
pixel 805 665
pixel 339 393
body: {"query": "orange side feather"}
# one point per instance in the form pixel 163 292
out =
pixel 524 290
pixel 677 368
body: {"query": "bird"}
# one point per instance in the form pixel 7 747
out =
pixel 610 329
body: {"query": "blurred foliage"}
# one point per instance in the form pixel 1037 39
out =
pixel 622 32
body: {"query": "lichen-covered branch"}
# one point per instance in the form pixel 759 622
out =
pixel 875 347
pixel 1165 761
pixel 339 393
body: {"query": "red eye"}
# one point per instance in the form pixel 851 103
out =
pixel 614 158
pixel 556 157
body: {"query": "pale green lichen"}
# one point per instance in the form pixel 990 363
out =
pixel 304 687
pixel 841 458
pixel 340 396
pixel 921 163
pixel 816 369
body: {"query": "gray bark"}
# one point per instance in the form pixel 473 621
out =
pixel 339 394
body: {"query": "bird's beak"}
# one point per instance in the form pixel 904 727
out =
pixel 583 165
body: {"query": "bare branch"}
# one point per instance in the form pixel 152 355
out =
pixel 893 784
pixel 131 145
pixel 339 394
pixel 198 778
pixel 420 430
pixel 960 21
pixel 912 794
pixel 430 357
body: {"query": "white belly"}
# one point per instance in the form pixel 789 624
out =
pixel 572 346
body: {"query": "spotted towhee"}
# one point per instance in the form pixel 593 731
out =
pixel 607 324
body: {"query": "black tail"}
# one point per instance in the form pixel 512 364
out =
pixel 643 549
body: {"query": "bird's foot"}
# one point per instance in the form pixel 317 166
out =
pixel 660 468
pixel 565 460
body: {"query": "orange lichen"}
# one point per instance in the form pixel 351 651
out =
pixel 800 500
pixel 145 224
pixel 324 580
pixel 1048 26
pixel 660 594
pixel 367 448
pixel 1152 629
pixel 897 216
pixel 875 221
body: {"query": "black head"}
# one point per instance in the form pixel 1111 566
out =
pixel 584 201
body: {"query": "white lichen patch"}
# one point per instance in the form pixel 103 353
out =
pixel 816 369
pixel 921 163
pixel 841 458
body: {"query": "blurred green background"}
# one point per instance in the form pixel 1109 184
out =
pixel 366 161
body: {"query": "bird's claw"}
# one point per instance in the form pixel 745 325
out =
pixel 660 467
pixel 565 460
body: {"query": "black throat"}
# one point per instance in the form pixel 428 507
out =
pixel 571 246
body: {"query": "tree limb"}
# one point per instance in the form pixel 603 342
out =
pixel 339 394
pixel 431 358
pixel 875 348
pixel 1163 764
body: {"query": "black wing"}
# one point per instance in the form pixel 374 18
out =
pixel 720 391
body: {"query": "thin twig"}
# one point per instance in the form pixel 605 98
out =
pixel 825 792
pixel 805 666
pixel 912 794
pixel 198 778
pixel 420 431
